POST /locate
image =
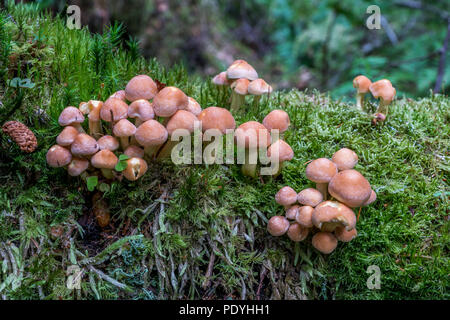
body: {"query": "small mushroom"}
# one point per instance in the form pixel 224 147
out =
pixel 297 232
pixel 67 136
pixel 321 171
pixel 345 159
pixel 71 116
pixel 193 106
pixel 77 166
pixel 58 156
pixel 278 226
pixel 221 79
pixel 310 197
pixel 134 152
pixel 304 216
pixel 277 120
pixel 119 95
pixel 361 84
pixel 151 135
pixel 325 242
pixel 372 198
pixel 280 152
pixel 350 187
pixel 292 212
pixel 385 92
pixel 168 101
pixel 141 110
pixel 239 91
pixel 140 87
pixel 286 197
pixel 95 124
pixel 114 110
pixel 84 146
pixel 124 129
pixel 241 69
pixel 108 142
pixel 257 88
pixel 329 215
pixel 136 168
pixel 345 235
pixel 106 161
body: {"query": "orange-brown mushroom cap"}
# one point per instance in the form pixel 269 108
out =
pixel 221 79
pixel 345 159
pixel 84 145
pixel 280 150
pixel 297 232
pixel 134 151
pixel 182 119
pixel 252 134
pixel 362 84
pixel 277 119
pixel 141 109
pixel 325 242
pixel 77 166
pixel 104 159
pixel 136 168
pixel 277 226
pixel 241 69
pixel 114 110
pixel 321 170
pixel 151 133
pixel 168 101
pixel 193 106
pixel 383 89
pixel 140 87
pixel 310 197
pixel 350 187
pixel 304 216
pixel 286 196
pixel 67 136
pixel 124 128
pixel 329 215
pixel 344 235
pixel 108 142
pixel 216 118
pixel 70 115
pixel 58 156
pixel 259 87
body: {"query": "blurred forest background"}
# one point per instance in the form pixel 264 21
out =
pixel 303 44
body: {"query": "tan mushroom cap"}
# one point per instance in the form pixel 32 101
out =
pixel 58 156
pixel 362 84
pixel 304 216
pixel 84 107
pixel 372 198
pixel 193 106
pixel 277 119
pixel 119 95
pixel 67 136
pixel 292 212
pixel 345 159
pixel 168 101
pixel 321 170
pixel 124 128
pixel 281 150
pixel 134 151
pixel 240 86
pixel 140 87
pixel 70 115
pixel 108 142
pixel 310 197
pixel 141 109
pixel 221 79
pixel 216 118
pixel 77 166
pixel 278 226
pixel 84 145
pixel 286 196
pixel 252 134
pixel 329 215
pixel 297 232
pixel 115 107
pixel 325 242
pixel 345 236
pixel 259 87
pixel 136 168
pixel 350 187
pixel 182 119
pixel 94 109
pixel 151 133
pixel 383 89
pixel 241 69
pixel 104 159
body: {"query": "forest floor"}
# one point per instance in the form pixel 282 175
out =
pixel 191 232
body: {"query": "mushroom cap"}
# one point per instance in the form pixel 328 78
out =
pixel 136 168
pixel 221 79
pixel 119 95
pixel 140 87
pixel 345 159
pixel 84 108
pixel 372 198
pixel 277 226
pixel 84 145
pixel 67 136
pixel 118 108
pixel 277 119
pixel 304 216
pixel 297 232
pixel 325 242
pixel 383 89
pixel 252 134
pixel 240 86
pixel 328 215
pixel 70 115
pixel 141 109
pixel 291 212
pixel 94 110
pixel 350 187
pixel 124 128
pixel 345 236
pixel 193 106
pixel 58 156
pixel 151 133
pixel 182 119
pixel 216 118
pixel 104 159
pixel 108 142
pixel 281 150
pixel 286 196
pixel 362 84
pixel 168 101
pixel 321 170
pixel 134 151
pixel 259 87
pixel 241 69
pixel 77 166
pixel 310 197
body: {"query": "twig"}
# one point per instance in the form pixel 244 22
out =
pixel 108 278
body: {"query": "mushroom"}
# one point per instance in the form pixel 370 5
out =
pixel 140 87
pixel 193 106
pixel 257 88
pixel 385 92
pixel 304 216
pixel 325 242
pixel 361 84
pixel 250 137
pixel 119 95
pixel 124 129
pixel 141 110
pixel 241 69
pixel 105 160
pixel 114 110
pixel 84 146
pixel 71 116
pixel 151 135
pixel 345 159
pixel 277 120
pixel 329 215
pixel 95 125
pixel 344 235
pixel 372 198
pixel 168 101
pixel 134 152
pixel 67 136
pixel 310 197
pixel 77 166
pixel 136 168
pixel 108 142
pixel 239 91
pixel 279 152
pixel 297 232
pixel 58 156
pixel 277 226
pixel 292 212
pixel 221 79
pixel 286 197
pixel 350 187
pixel 321 171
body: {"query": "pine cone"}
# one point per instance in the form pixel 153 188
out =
pixel 21 135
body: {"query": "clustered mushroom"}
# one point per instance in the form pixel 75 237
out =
pixel 310 211
pixel 381 90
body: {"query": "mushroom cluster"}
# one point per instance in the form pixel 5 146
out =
pixel 123 128
pixel 381 90
pixel 310 211
pixel 243 80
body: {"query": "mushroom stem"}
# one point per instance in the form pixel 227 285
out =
pixel 237 101
pixel 107 173
pixel 150 151
pixel 95 128
pixel 78 127
pixel 383 107
pixel 138 122
pixel 166 150
pixel 360 100
pixel 249 169
pixel 323 188
pixel 124 142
